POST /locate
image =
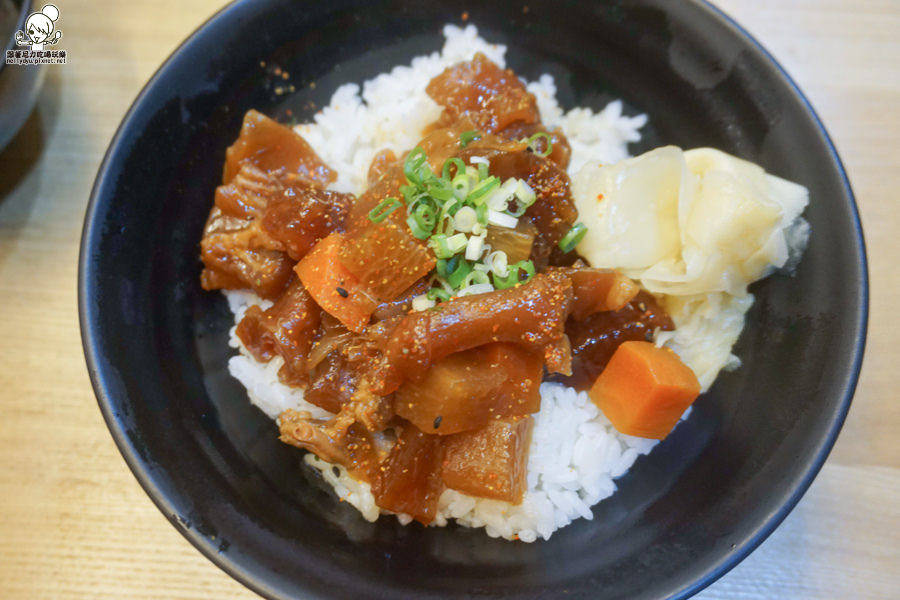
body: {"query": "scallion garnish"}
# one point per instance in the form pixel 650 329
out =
pixel 413 164
pixel 512 277
pixel 384 209
pixel 483 188
pixel 452 212
pixel 573 237
pixel 423 219
pixel 438 294
pixel 467 137
pixel 452 162
pixel 532 143
pixel 457 274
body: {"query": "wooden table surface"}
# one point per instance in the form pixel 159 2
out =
pixel 74 523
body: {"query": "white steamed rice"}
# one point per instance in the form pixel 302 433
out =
pixel 576 454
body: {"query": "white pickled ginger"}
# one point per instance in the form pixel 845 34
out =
pixel 695 228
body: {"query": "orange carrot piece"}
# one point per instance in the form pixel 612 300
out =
pixel 644 389
pixel 333 287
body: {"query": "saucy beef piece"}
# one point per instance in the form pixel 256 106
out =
pixel 409 479
pixel 465 390
pixel 560 150
pixel 304 213
pixel 248 193
pixel 238 254
pixel 599 290
pixel 387 186
pixel 337 362
pixel 261 223
pixel 490 97
pixel 532 315
pixel 270 145
pixel 348 445
pixel 553 212
pixel 402 304
pixel 236 251
pixel 285 329
pixel 382 160
pixel 595 338
pixel 491 462
pixel 332 383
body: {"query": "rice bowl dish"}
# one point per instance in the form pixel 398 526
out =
pixel 576 453
pixel 211 460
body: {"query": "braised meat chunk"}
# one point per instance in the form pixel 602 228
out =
pixel 490 97
pixel 285 329
pixel 531 315
pixel 423 314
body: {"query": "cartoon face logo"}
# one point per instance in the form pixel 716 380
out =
pixel 39 29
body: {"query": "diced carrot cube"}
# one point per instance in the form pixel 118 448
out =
pixel 645 389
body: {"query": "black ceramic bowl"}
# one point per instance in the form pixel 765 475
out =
pixel 156 343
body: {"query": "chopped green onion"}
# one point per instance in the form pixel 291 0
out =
pixel 457 243
pixel 474 247
pixel 439 189
pixel 475 278
pixel 499 200
pixel 483 188
pixel 497 261
pixel 412 166
pixel 502 219
pixel 467 137
pixel 461 185
pixel 478 288
pixel 465 218
pixel 445 225
pixel 512 278
pixel 524 197
pixel 519 210
pixel 423 302
pixel 422 220
pixel 481 211
pixel 460 167
pixel 438 243
pixel 524 192
pixel 528 267
pixel 438 294
pixel 457 273
pixel 446 266
pixel 451 206
pixel 452 213
pixel 384 209
pixel 573 237
pixel 532 143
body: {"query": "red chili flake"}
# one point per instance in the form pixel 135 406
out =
pixel 599 197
